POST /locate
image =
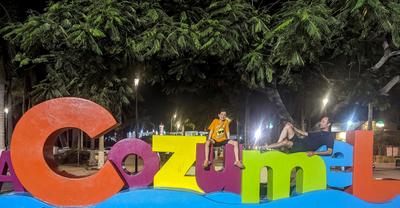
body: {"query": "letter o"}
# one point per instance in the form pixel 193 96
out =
pixel 151 162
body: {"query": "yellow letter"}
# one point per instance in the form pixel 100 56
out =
pixel 172 174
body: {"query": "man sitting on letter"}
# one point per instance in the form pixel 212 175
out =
pixel 310 143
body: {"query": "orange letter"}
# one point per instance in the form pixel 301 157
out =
pixel 32 157
pixel 364 185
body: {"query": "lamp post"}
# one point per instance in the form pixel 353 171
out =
pixel 177 126
pixel 137 119
pixel 324 102
pixel 6 127
pixel 172 120
pixel 136 107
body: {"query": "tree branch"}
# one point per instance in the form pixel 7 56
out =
pixel 384 90
pixel 387 54
pixel 384 58
pixel 5 11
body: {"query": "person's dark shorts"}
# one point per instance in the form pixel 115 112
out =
pixel 298 145
pixel 219 144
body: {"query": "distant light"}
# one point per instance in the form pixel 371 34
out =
pixel 325 101
pixel 257 134
pixel 270 126
pixel 341 136
pixel 6 110
pixel 380 124
pixel 178 125
pixel 136 82
pixel 349 122
pixel 175 116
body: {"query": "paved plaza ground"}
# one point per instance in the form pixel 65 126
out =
pixel 381 170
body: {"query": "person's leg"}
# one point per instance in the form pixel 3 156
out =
pixel 207 145
pixel 284 143
pixel 286 133
pixel 235 148
pixel 236 152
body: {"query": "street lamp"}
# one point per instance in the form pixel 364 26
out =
pixel 380 124
pixel 137 119
pixel 324 102
pixel 172 119
pixel 257 135
pixel 349 124
pixel 136 107
pixel 136 82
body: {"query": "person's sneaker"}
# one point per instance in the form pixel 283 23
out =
pixel 206 164
pixel 238 164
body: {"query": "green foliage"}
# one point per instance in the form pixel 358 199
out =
pixel 303 31
pixel 90 48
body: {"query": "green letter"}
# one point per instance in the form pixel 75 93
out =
pixel 311 174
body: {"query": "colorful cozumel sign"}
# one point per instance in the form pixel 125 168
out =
pixel 32 167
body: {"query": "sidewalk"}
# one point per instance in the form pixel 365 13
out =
pixel 386 170
pixel 381 171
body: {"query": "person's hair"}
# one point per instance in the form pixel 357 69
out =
pixel 221 110
pixel 326 116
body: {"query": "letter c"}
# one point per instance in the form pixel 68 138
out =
pixel 31 147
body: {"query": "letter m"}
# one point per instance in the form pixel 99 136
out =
pixel 310 175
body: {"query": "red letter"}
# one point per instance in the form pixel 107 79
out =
pixel 33 140
pixel 364 185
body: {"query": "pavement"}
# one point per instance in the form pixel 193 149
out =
pixel 381 171
pixel 386 170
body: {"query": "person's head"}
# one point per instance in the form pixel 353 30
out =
pixel 325 123
pixel 222 114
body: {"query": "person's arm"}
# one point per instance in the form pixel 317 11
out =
pixel 300 131
pixel 211 128
pixel 329 144
pixel 227 131
pixel 322 153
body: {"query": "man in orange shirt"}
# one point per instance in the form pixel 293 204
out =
pixel 219 135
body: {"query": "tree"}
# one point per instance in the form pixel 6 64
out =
pixel 91 48
pixel 82 44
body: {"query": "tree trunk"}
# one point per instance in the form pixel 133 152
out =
pixel 101 158
pixel 75 139
pixel 10 126
pixel 275 98
pixel 92 157
pixel 246 121
pixel 370 112
pixel 2 93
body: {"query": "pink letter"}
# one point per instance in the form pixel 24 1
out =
pixel 229 179
pixel 151 162
pixel 5 162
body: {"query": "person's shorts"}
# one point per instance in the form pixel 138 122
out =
pixel 219 144
pixel 298 145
